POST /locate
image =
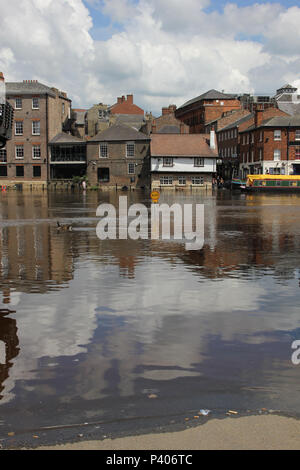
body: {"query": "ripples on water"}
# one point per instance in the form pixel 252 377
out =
pixel 91 330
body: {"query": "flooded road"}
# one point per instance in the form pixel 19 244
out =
pixel 132 336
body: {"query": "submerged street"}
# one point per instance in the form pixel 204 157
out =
pixel 118 337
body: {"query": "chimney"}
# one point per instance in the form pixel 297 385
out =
pixel 172 108
pixel 153 128
pixel 182 128
pixel 164 111
pixel 212 141
pixel 130 99
pixel 119 100
pixel 1 77
pixel 258 117
pixel 123 99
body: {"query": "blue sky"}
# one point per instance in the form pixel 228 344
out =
pixel 163 51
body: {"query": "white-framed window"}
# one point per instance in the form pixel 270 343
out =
pixel 181 180
pixel 19 128
pixel 260 154
pixel 261 136
pixel 18 103
pixel 166 180
pixel 297 153
pixel 103 150
pixel 36 151
pixel 277 134
pixel 35 103
pixel 19 152
pixel 168 161
pixel 130 149
pixel 252 155
pixel 63 108
pixel 36 127
pixel 277 155
pixel 198 161
pixel 131 168
pixel 297 134
pixel 252 137
pixel 3 156
pixel 198 180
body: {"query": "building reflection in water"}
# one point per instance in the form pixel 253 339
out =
pixel 121 306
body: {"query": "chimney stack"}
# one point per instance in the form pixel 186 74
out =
pixel 258 117
pixel 212 141
pixel 130 99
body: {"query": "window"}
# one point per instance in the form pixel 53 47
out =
pixel 198 180
pixel 36 151
pixel 168 161
pixel 261 136
pixel 277 134
pixel 19 151
pixel 166 180
pixel 199 161
pixel 19 127
pixel 3 171
pixel 36 171
pixel 130 149
pixel 277 155
pixel 103 151
pixel 35 103
pixel 63 108
pixel 260 154
pixel 36 127
pixel 297 153
pixel 18 103
pixel 101 113
pixel 252 155
pixel 20 171
pixel 3 156
pixel 252 137
pixel 297 134
pixel 182 180
pixel 131 168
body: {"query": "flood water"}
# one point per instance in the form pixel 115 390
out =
pixel 132 336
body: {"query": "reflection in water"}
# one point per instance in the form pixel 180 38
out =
pixel 103 324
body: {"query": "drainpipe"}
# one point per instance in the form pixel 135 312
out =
pixel 47 139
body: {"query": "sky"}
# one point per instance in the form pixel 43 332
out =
pixel 162 51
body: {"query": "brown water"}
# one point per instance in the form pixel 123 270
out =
pixel 131 336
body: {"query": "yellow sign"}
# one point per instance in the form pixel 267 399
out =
pixel 155 195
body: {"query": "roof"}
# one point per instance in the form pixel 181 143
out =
pixel 182 145
pixel 30 87
pixel 285 97
pixel 119 133
pixel 63 138
pixel 169 130
pixel 238 122
pixel 278 121
pixel 210 95
pixel 289 108
pixel 131 120
pixel 79 115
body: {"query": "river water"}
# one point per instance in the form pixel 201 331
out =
pixel 104 338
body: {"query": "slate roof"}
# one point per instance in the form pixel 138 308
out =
pixel 119 133
pixel 238 122
pixel 63 138
pixel 209 95
pixel 131 120
pixel 169 130
pixel 79 115
pixel 29 88
pixel 182 145
pixel 289 108
pixel 278 121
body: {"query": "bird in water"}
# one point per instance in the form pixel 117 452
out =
pixel 64 227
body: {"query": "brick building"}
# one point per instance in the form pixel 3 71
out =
pixel 210 106
pixel 117 157
pixel 271 146
pixel 126 106
pixel 40 113
pixel 167 123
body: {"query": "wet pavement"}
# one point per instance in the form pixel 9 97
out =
pixel 115 337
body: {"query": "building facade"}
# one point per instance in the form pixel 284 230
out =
pixel 119 157
pixel 40 113
pixel 183 161
pixel 210 106
pixel 271 146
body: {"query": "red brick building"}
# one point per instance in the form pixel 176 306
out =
pixel 167 123
pixel 126 106
pixel 210 106
pixel 271 146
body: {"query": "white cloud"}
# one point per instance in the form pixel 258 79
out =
pixel 167 52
